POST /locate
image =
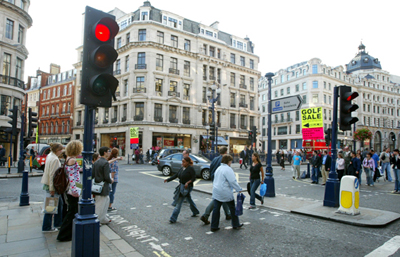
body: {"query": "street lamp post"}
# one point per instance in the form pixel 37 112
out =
pixel 269 179
pixel 207 128
pixel 213 99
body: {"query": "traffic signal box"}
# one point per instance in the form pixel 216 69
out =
pixel 254 130
pixel 32 121
pixel 14 120
pixel 328 136
pixel 212 131
pixel 346 107
pixel 98 83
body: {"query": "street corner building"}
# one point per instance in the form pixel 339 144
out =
pixel 166 65
pixel 313 81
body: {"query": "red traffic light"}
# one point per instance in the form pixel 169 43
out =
pixel 106 29
pixel 351 96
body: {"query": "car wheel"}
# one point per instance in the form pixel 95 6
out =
pixel 205 174
pixel 166 171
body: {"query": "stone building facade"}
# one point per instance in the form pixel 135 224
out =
pixel 166 65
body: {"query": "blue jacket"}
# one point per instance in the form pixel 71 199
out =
pixel 375 157
pixel 356 164
pixel 216 162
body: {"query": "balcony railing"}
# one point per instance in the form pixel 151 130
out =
pixel 96 121
pixel 233 105
pixel 140 66
pixel 173 71
pixel 186 97
pixel 138 117
pixel 123 119
pixel 242 86
pixel 78 123
pixel 243 105
pixel 173 120
pixel 174 93
pixel 139 90
pixel 105 121
pixel 204 100
pixel 113 120
pixel 212 77
pixel 233 126
pixel 243 126
pixel 12 81
pixel 204 77
pixel 117 72
pixel 186 122
pixel 281 121
pixel 158 119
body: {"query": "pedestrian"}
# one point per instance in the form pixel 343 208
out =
pixel 113 162
pixel 282 161
pixel 347 159
pixel 364 153
pixel 278 157
pixel 356 165
pixel 359 156
pixel 3 159
pixel 32 153
pixel 51 166
pixel 290 155
pixel 340 166
pixel 255 170
pixel 148 155
pixel 72 150
pixel 186 176
pixel 137 153
pixel 251 151
pixel 95 157
pixel 376 171
pixel 244 155
pixel 141 156
pixel 326 166
pixel 316 164
pixel 385 163
pixel 296 162
pixel 304 155
pixel 216 162
pixel 395 161
pixel 224 183
pixel 101 173
pixel 369 167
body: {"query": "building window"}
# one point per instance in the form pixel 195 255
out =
pixel 20 34
pixel 252 103
pixel 297 115
pixel 139 85
pixel 298 129
pixel 159 62
pixel 232 79
pixel 212 51
pixel 186 92
pixel 187 45
pixel 9 29
pixel 297 88
pixel 119 43
pixel 118 66
pixel 243 123
pixel 186 69
pixel 141 61
pixel 282 92
pixel 127 63
pixel 173 114
pixel 330 99
pixel 314 69
pixel 160 37
pixel 125 87
pixel 324 85
pixel 159 83
pixel 18 69
pixel 158 112
pixel 252 84
pixel 304 86
pixel 282 130
pixel 233 120
pixel 282 78
pixel 139 111
pixel 251 121
pixel 233 102
pixel 251 64
pixel 315 84
pixel 7 65
pixel 233 58
pixel 324 99
pixel 263 108
pixel 315 98
pixel 242 61
pixel 276 93
pixel 173 86
pixel 174 41
pixel 242 80
pixel 142 35
pixel 304 99
pixel 128 38
pixel 174 63
pixel 288 90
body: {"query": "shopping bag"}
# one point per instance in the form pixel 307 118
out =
pixel 381 171
pixel 263 189
pixel 241 161
pixel 239 204
pixel 51 205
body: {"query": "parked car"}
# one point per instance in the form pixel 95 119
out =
pixel 168 151
pixel 172 164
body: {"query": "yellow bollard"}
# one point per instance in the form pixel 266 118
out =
pixel 349 195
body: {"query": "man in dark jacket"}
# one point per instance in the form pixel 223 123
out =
pixel 2 155
pixel 216 162
pixel 101 173
pixel 395 161
pixel 316 164
pixel 244 155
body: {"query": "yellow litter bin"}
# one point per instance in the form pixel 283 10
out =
pixel 349 195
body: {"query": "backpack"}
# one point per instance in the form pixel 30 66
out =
pixel 60 180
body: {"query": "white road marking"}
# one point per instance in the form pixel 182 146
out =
pixel 209 232
pixel 262 218
pixel 148 206
pixel 133 208
pixel 246 223
pixel 263 211
pixel 165 204
pixel 195 200
pixel 164 244
pixel 229 227
pixel 387 249
pixel 188 238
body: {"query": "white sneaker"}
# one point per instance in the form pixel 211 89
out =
pixel 51 230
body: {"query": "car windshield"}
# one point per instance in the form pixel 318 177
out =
pixel 201 158
pixel 161 152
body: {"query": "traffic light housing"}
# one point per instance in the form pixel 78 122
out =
pixel 98 83
pixel 346 107
pixel 250 135
pixel 328 136
pixel 32 122
pixel 254 130
pixel 212 131
pixel 14 120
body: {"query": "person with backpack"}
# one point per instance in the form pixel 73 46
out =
pixel 52 164
pixel 72 150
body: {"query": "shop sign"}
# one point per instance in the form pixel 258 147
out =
pixel 134 135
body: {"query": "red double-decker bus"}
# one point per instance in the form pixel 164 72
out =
pixel 310 146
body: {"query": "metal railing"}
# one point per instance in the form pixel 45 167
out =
pixel 140 66
pixel 158 119
pixel 242 86
pixel 113 120
pixel 139 90
pixel 233 105
pixel 173 120
pixel 243 105
pixel 174 71
pixel 281 121
pixel 138 117
pixel 174 93
pixel 233 126
pixel 117 72
pixel 105 121
pixel 123 119
pixel 186 121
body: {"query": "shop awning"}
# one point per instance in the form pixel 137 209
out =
pixel 221 140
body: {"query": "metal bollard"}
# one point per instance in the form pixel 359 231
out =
pixel 308 175
pixel 24 197
pixel 128 158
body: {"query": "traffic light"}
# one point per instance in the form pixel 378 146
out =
pixel 328 136
pixel 32 121
pixel 254 130
pixel 346 107
pixel 250 135
pixel 13 121
pixel 98 83
pixel 393 137
pixel 212 131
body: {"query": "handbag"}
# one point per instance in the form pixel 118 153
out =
pixel 51 205
pixel 263 189
pixel 97 187
pixel 239 204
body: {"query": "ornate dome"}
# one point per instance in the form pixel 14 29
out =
pixel 362 61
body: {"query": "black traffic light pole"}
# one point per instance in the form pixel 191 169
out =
pixel 24 197
pixel 269 179
pixel 13 122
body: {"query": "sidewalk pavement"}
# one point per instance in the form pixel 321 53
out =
pixel 368 217
pixel 21 235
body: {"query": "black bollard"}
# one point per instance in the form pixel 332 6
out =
pixel 308 175
pixel 24 197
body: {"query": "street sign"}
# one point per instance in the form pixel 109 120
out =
pixel 312 123
pixel 286 104
pixel 134 135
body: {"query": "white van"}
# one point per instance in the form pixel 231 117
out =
pixel 37 147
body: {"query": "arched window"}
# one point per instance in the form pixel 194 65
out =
pixel 47 128
pixel 69 108
pixel 62 127
pixel 57 109
pixel 56 128
pixel 65 90
pixel 51 128
pixel 67 127
pixel 70 89
pixel 58 92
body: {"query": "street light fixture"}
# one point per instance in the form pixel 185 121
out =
pixel 213 99
pixel 207 128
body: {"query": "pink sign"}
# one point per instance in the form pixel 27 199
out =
pixel 313 133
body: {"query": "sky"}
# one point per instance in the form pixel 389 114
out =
pixel 285 32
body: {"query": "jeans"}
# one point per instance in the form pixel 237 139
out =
pixel 396 179
pixel 296 171
pixel 368 173
pixel 314 175
pixel 216 214
pixel 112 192
pixel 210 208
pixel 386 167
pixel 178 206
pixel 254 184
pixel 48 218
pixel 359 176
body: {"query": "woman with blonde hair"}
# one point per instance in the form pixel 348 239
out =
pixel 51 165
pixel 72 150
pixel 113 161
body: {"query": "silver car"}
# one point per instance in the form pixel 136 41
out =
pixel 172 164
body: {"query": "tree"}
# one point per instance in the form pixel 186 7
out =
pixel 362 135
